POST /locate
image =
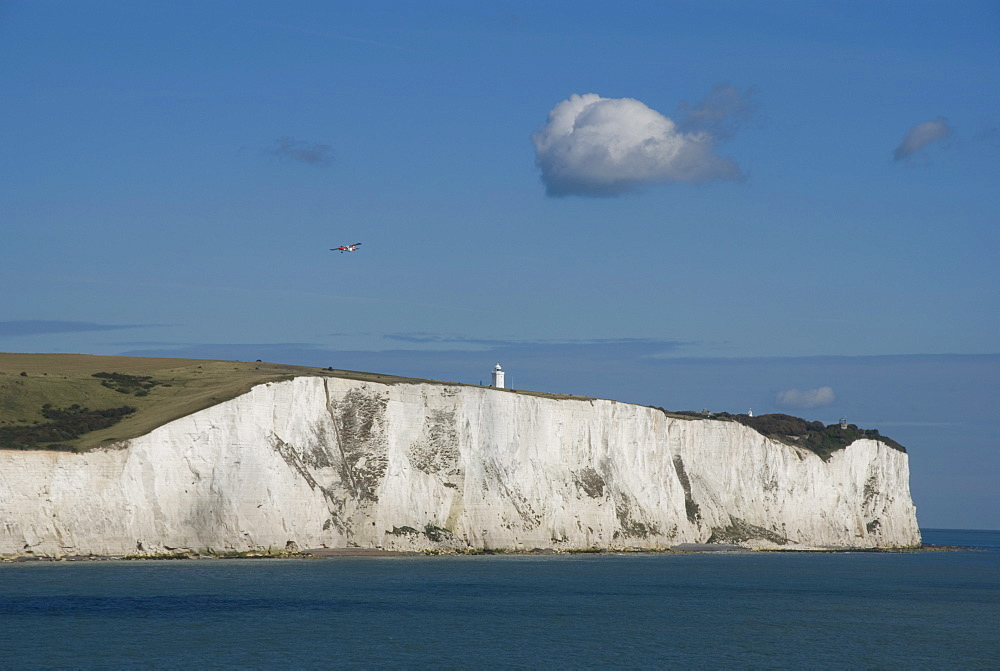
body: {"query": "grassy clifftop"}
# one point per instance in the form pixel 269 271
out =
pixel 78 401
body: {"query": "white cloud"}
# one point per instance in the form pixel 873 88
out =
pixel 594 146
pixel 808 398
pixel 920 136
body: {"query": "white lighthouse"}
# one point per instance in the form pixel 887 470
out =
pixel 498 377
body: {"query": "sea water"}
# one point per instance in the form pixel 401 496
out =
pixel 869 610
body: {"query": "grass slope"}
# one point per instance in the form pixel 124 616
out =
pixel 160 390
pixel 35 388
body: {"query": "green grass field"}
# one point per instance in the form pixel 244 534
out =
pixel 160 390
pixel 35 387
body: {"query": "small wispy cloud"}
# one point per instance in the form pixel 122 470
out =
pixel 988 136
pixel 312 32
pixel 631 344
pixel 721 114
pixel 594 146
pixel 807 398
pixel 920 136
pixel 423 338
pixel 303 152
pixel 43 327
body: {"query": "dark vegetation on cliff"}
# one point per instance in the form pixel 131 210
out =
pixel 64 425
pixel 823 439
pixel 136 385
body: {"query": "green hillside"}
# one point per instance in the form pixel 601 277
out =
pixel 78 401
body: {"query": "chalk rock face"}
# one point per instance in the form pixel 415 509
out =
pixel 329 462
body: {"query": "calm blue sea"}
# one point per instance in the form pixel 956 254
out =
pixel 909 610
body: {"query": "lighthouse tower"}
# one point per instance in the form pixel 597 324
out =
pixel 498 377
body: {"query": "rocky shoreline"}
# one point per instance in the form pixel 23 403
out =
pixel 352 552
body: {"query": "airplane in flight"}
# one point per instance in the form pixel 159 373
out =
pixel 346 248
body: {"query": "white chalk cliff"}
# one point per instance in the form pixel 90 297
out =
pixel 329 462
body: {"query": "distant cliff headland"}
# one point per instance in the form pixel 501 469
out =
pixel 113 455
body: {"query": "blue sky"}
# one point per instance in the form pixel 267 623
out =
pixel 785 206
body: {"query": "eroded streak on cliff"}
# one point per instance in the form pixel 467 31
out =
pixel 438 449
pixel 359 423
pixel 691 508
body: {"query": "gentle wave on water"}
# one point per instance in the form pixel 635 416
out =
pixel 915 610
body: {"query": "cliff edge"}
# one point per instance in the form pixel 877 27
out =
pixel 334 462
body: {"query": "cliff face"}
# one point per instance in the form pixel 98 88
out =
pixel 327 462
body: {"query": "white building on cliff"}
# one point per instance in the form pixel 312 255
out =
pixel 498 377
